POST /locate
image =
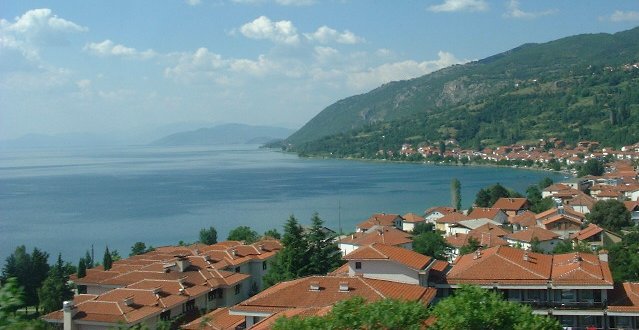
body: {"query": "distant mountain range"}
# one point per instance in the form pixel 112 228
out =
pixel 579 87
pixel 226 134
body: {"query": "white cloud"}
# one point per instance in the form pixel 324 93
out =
pixel 460 5
pixel 323 54
pixel 324 35
pixel 399 71
pixel 513 11
pixel 283 32
pixel 41 27
pixel 109 48
pixel 622 16
pixel 257 68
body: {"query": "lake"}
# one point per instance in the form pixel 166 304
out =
pixel 64 201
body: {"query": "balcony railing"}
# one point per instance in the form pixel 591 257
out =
pixel 562 304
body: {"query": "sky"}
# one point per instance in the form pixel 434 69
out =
pixel 109 67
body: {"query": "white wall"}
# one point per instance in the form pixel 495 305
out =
pixel 385 270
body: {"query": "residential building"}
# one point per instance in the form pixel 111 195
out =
pixel 380 219
pixel 633 208
pixel 448 221
pixel 410 220
pixel 434 213
pixel 318 293
pixel 595 237
pixel 384 235
pixel 573 287
pixel 512 206
pixel 495 214
pixel 546 239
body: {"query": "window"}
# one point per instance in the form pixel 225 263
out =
pixel 165 316
pixel 238 288
pixel 358 265
pixel 237 269
pixel 264 265
pixel 189 306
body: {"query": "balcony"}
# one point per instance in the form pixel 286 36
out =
pixel 563 304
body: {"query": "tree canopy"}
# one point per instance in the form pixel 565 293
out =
pixel 591 167
pixel 474 308
pixel 431 244
pixel 355 313
pixel 208 236
pixel 244 234
pixel 55 288
pixel 610 214
pixel 30 270
pixel 486 197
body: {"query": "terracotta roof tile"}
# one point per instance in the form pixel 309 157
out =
pixel 413 218
pixel 524 219
pixel 400 255
pixel 529 234
pixel 587 232
pixel 386 235
pixel 453 217
pixel 219 319
pixel 510 204
pixel 484 212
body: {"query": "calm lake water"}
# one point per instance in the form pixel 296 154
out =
pixel 63 201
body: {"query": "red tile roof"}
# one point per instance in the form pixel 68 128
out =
pixel 587 232
pixel 441 209
pixel 484 212
pixel 624 298
pixel 399 255
pixel 379 219
pixel 524 219
pixel 413 218
pixel 510 204
pixel 453 217
pixel 507 265
pixel 219 319
pixel 531 233
pixel 298 293
pixel 385 235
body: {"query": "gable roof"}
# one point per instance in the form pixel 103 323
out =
pixel 531 233
pixel 485 212
pixel 413 218
pixel 587 232
pixel 218 319
pixel 524 219
pixel 453 217
pixel 560 217
pixel 557 187
pixel 501 264
pixel 298 293
pixel 512 266
pixel 385 235
pixel 441 209
pixel 624 298
pixel 399 255
pixel 510 204
pixel 379 219
pixel 631 205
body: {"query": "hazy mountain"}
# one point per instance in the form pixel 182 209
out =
pixel 225 134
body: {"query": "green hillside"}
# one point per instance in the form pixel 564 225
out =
pixel 580 87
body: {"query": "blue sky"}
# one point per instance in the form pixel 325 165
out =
pixel 115 66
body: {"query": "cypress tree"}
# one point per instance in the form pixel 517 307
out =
pixel 323 254
pixel 107 260
pixel 82 268
pixel 455 194
pixel 55 289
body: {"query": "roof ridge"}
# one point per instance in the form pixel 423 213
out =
pixel 361 279
pixel 518 265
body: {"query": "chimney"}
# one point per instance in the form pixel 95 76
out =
pixel 182 291
pixel 314 286
pixel 69 310
pixel 128 301
pixel 234 252
pixel 603 255
pixel 343 287
pixel 261 247
pixel 477 254
pixel 526 258
pixel 183 263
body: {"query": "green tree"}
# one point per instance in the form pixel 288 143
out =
pixel 355 313
pixel 455 194
pixel 272 233
pixel 38 273
pixel 244 234
pixel 471 246
pixel 107 260
pixel 137 249
pixel 11 299
pixel 542 205
pixel 323 254
pixel 88 258
pixel 474 308
pixel 30 270
pixel 432 244
pixel 591 167
pixel 483 198
pixel 82 268
pixel 423 227
pixel 55 288
pixel 624 258
pixel 610 214
pixel 115 255
pixel 208 236
pixel 291 259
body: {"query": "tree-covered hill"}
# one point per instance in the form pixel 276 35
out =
pixel 580 87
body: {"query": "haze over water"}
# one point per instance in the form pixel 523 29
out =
pixel 66 200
